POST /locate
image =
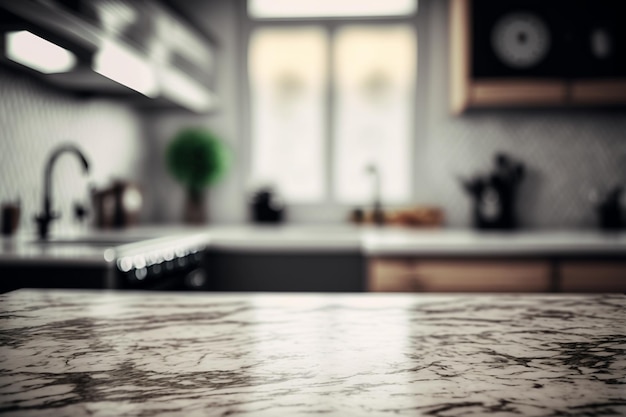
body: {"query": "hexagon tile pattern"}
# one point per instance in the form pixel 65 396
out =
pixel 569 154
pixel 34 119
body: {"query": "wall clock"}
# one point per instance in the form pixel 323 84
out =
pixel 520 39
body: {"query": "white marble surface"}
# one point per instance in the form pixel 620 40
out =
pixel 287 238
pixel 372 240
pixel 70 353
pixel 469 242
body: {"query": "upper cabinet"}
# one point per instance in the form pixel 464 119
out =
pixel 139 50
pixel 537 53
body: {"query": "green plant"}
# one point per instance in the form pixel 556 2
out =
pixel 196 158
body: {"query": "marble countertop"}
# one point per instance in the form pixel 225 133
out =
pixel 395 241
pixel 371 241
pixel 104 353
pixel 469 243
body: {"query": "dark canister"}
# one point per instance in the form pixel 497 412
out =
pixel 266 206
pixel 10 218
pixel 494 195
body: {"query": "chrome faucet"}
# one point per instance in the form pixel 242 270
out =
pixel 378 216
pixel 47 216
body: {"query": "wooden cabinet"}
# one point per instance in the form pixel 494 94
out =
pixel 417 275
pixel 410 274
pixel 593 276
pixel 536 54
pixel 467 91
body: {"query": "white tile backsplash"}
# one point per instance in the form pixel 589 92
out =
pixel 35 118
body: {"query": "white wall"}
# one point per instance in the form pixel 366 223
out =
pixel 568 152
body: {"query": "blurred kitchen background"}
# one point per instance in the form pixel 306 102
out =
pixel 570 151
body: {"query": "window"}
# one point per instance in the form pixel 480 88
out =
pixel 330 102
pixel 329 8
pixel 374 86
pixel 288 77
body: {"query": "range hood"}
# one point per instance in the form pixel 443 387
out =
pixel 135 50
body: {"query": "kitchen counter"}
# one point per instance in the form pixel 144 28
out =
pixel 96 247
pixel 473 243
pixel 110 353
pixel 370 241
pixel 417 242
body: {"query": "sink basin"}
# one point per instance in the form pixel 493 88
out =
pixel 86 241
pixel 92 241
pixel 122 243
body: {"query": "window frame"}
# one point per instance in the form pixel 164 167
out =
pixel 330 208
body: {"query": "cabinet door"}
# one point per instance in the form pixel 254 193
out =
pixel 278 272
pixel 392 275
pixel 536 53
pixel 599 91
pixel 488 74
pixel 398 274
pixel 593 276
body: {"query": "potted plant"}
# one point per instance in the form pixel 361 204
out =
pixel 196 158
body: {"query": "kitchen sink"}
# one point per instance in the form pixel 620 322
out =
pixel 113 260
pixel 106 239
pixel 94 242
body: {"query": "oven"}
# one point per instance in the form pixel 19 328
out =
pixel 167 264
pixel 109 261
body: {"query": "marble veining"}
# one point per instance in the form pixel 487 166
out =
pixel 75 353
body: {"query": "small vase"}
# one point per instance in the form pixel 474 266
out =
pixel 195 207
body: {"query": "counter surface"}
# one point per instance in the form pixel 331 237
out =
pixel 473 243
pixel 370 241
pixel 95 247
pixel 106 353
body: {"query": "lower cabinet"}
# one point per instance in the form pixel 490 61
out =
pixel 593 276
pixel 423 275
pixel 277 272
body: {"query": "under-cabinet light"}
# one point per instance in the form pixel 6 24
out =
pixel 37 53
pixel 185 91
pixel 124 66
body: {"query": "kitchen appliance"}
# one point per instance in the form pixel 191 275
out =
pixel 117 206
pixel 109 260
pixel 266 206
pixel 609 210
pixel 494 194
pixel 160 264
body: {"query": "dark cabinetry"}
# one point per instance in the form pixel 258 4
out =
pixel 547 39
pixel 537 53
pixel 271 271
pixel 53 276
